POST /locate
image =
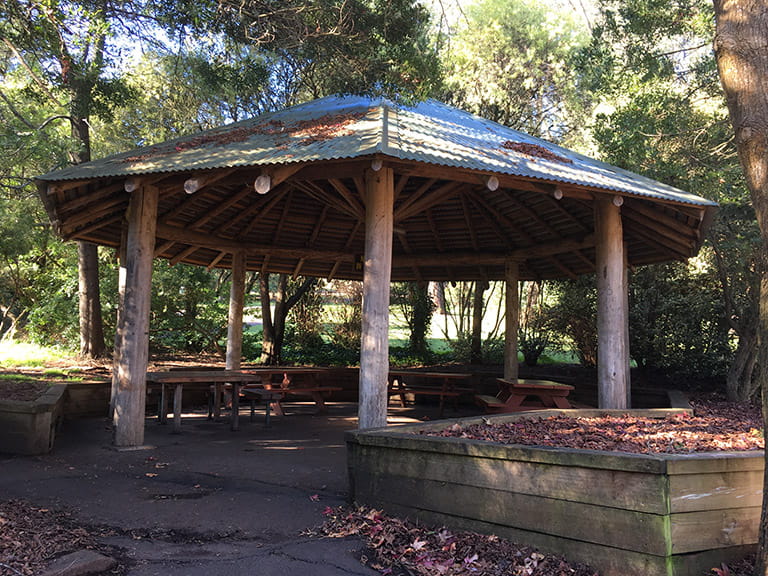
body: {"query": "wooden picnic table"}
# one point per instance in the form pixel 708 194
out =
pixel 287 387
pixel 512 394
pixel 400 385
pixel 242 381
pixel 179 378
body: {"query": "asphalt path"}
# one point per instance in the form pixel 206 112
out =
pixel 207 501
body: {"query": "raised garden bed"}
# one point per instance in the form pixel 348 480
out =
pixel 28 424
pixel 624 514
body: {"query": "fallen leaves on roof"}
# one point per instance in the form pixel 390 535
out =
pixel 306 132
pixel 535 151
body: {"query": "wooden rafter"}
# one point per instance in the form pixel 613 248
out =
pixel 675 252
pixel 318 226
pixel 495 213
pixel 92 200
pixel 558 205
pixel 324 197
pixel 163 248
pixel 589 263
pixel 562 267
pixel 183 254
pixel 85 216
pixel 659 229
pixel 400 185
pixel 533 216
pixel 347 244
pixel 468 221
pixel 347 195
pixel 663 220
pixel 100 224
pixel 220 208
pixel 261 208
pixel 490 217
pixel 219 257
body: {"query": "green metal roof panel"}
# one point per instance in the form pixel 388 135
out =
pixel 344 127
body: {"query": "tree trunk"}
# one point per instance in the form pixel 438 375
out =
pixel 739 382
pixel 273 333
pixel 476 350
pixel 741 35
pixel 269 354
pixel 92 343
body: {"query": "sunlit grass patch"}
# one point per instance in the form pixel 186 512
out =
pixel 23 354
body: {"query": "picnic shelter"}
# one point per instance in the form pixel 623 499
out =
pixel 361 188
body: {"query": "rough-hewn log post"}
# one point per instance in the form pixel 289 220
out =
pixel 121 273
pixel 511 319
pixel 627 358
pixel 131 367
pixel 235 330
pixel 377 271
pixel 235 320
pixel 612 315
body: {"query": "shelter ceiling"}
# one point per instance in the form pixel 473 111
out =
pixel 448 224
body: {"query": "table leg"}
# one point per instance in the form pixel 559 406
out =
pixel 177 407
pixel 217 401
pixel 235 416
pixel 442 397
pixel 561 402
pixel 162 406
pixel 319 402
pixel 268 406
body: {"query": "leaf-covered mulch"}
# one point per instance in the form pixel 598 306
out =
pixel 30 537
pixel 398 547
pixel 713 427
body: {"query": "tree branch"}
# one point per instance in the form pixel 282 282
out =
pixel 29 69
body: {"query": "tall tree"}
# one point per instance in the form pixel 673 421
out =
pixel 741 38
pixel 663 115
pixel 69 51
pixel 512 62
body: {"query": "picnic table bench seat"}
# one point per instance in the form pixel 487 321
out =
pixel 441 384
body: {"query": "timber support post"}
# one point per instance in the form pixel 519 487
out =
pixel 235 332
pixel 377 272
pixel 511 319
pixel 132 360
pixel 612 313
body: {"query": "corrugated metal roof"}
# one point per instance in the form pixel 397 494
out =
pixel 341 127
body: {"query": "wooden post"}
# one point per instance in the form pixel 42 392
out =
pixel 612 315
pixel 131 367
pixel 377 271
pixel 511 319
pixel 627 348
pixel 121 274
pixel 235 331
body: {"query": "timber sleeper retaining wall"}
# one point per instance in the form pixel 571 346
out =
pixel 624 514
pixel 29 427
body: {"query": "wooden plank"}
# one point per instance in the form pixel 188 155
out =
pixel 614 527
pixel 710 529
pixel 377 271
pixel 612 316
pixel 713 463
pixel 640 492
pixel 695 492
pixel 131 366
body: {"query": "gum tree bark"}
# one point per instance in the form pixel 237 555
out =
pixel 741 50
